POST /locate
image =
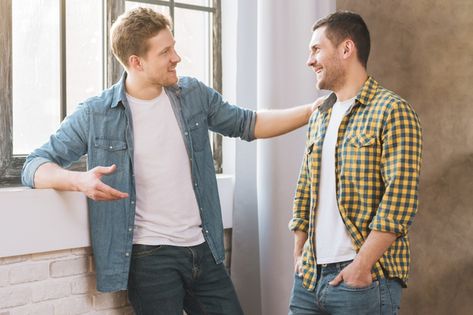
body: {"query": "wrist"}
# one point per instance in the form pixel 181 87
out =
pixel 362 264
pixel 309 111
pixel 75 180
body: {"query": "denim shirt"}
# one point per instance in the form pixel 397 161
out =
pixel 101 127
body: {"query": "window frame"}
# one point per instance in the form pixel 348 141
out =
pixel 10 164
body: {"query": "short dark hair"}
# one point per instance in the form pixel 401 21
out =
pixel 344 24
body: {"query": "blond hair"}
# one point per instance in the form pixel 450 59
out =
pixel 130 32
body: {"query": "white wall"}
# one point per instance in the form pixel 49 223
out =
pixel 284 80
pixel 245 247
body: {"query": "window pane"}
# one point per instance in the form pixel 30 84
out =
pixel 193 44
pixel 35 72
pixel 158 8
pixel 84 50
pixel 205 3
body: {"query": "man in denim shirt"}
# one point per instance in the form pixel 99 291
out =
pixel 155 218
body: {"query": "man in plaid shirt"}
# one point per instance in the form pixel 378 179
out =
pixel 357 190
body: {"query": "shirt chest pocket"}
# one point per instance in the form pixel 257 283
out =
pixel 199 132
pixel 313 154
pixel 109 151
pixel 362 141
pixel 361 154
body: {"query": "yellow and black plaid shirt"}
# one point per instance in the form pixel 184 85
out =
pixel 378 157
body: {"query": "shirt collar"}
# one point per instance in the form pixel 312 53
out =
pixel 364 96
pixel 119 93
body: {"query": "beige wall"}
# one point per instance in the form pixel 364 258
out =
pixel 423 50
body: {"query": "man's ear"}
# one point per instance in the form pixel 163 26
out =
pixel 134 62
pixel 348 48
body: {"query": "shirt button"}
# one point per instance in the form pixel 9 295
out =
pixel 110 147
pixel 195 184
pixel 196 124
pixel 186 133
pixel 130 229
pixel 207 231
pixel 132 202
pixel 127 254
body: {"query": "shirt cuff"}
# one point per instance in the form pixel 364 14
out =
pixel 29 170
pixel 383 224
pixel 297 224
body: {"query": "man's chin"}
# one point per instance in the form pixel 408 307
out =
pixel 172 82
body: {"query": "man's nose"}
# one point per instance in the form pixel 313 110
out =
pixel 310 61
pixel 176 58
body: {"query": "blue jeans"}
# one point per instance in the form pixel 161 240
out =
pixel 382 297
pixel 168 279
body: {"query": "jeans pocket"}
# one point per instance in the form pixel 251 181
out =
pixel 346 287
pixel 145 250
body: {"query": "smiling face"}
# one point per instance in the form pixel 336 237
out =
pixel 159 63
pixel 326 61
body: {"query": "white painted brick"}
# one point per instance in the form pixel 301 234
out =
pixel 14 296
pixel 116 311
pixel 69 267
pixel 34 309
pixel 91 264
pixel 4 276
pixel 104 301
pixel 73 305
pixel 29 272
pixel 128 311
pixel 83 284
pixel 49 290
pixel 51 255
pixel 84 251
pixel 14 259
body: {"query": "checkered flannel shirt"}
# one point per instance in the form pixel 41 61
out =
pixel 378 158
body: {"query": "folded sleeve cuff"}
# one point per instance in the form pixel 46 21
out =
pixel 249 134
pixel 29 170
pixel 383 224
pixel 297 224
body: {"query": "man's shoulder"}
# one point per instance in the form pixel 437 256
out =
pixel 102 101
pixel 387 100
pixel 190 84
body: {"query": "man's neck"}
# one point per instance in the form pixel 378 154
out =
pixel 140 89
pixel 353 83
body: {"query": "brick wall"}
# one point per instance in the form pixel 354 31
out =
pixel 61 282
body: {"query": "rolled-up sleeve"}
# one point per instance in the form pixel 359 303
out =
pixel 64 147
pixel 227 119
pixel 400 169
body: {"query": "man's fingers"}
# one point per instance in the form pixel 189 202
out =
pixel 98 196
pixel 111 193
pixel 105 170
pixel 337 280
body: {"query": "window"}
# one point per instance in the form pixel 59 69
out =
pixel 197 29
pixel 54 54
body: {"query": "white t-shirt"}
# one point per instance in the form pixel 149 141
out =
pixel 166 208
pixel 333 243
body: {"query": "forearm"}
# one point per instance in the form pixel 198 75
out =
pixel 300 237
pixel 374 247
pixel 51 175
pixel 277 122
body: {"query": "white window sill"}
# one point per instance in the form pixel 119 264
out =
pixel 43 220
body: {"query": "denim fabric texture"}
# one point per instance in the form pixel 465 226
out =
pixel 164 280
pixel 101 127
pixel 382 296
